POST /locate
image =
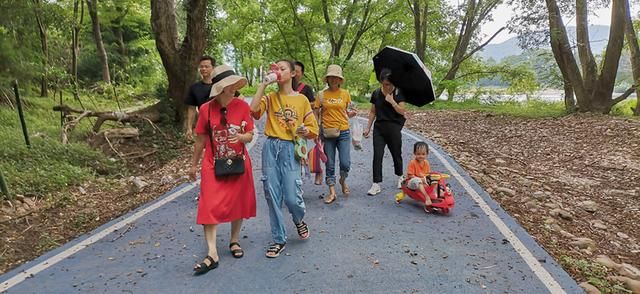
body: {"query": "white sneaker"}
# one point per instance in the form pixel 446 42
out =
pixel 375 189
pixel 400 180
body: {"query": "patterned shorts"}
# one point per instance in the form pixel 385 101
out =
pixel 414 183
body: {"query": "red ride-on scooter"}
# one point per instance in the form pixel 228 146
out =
pixel 438 191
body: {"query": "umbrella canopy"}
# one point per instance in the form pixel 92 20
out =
pixel 408 73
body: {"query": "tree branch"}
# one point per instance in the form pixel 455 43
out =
pixel 482 45
pixel 625 95
pixel 284 37
pixel 481 72
pixel 150 113
pixel 347 24
pixel 325 12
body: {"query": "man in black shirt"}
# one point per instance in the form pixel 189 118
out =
pixel 199 92
pixel 299 86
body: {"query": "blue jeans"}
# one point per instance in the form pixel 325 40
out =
pixel 343 145
pixel 282 181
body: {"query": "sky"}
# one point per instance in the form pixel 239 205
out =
pixel 599 17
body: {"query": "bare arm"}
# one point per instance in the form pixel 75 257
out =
pixel 242 138
pixel 372 117
pixel 397 106
pixel 255 102
pixel 191 113
pixel 198 147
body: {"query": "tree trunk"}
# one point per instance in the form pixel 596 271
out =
pixel 564 56
pixel 75 44
pixel 602 94
pixel 587 61
pixel 361 24
pixel 92 5
pixel 569 101
pixel 420 26
pixel 42 30
pixel 307 41
pixel 336 44
pixel 451 91
pixel 180 59
pixel 632 39
pixel 593 92
pixel 365 25
pixel 116 27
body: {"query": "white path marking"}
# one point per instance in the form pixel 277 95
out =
pixel 20 277
pixel 545 277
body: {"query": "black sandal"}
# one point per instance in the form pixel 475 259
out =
pixel 275 250
pixel 303 228
pixel 203 268
pixel 237 253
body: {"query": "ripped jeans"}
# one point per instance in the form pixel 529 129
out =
pixel 282 182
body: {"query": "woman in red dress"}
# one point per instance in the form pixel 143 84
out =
pixel 224 127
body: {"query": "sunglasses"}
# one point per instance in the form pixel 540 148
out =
pixel 223 119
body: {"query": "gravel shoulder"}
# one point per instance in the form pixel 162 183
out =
pixel 572 182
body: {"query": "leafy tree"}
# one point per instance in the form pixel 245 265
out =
pixel 42 29
pixel 92 6
pixel 475 14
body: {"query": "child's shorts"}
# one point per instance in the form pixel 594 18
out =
pixel 414 183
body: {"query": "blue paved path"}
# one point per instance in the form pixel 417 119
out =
pixel 359 244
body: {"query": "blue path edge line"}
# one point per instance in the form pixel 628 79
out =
pixel 10 274
pixel 547 261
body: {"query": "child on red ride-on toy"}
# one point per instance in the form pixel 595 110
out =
pixel 425 186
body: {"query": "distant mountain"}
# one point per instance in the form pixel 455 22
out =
pixel 598 35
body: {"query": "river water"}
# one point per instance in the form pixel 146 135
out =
pixel 546 96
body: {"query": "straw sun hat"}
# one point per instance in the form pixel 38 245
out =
pixel 224 76
pixel 334 70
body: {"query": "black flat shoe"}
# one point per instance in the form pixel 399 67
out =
pixel 237 253
pixel 203 268
pixel 274 250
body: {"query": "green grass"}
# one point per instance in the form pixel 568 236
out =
pixel 624 108
pixel 596 274
pixel 48 165
pixel 533 108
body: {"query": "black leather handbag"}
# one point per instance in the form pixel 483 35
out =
pixel 224 167
pixel 229 166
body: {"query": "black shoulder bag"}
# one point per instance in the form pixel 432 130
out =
pixel 224 167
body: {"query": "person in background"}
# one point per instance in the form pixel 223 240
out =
pixel 199 92
pixel 333 115
pixel 289 119
pixel 224 127
pixel 299 86
pixel 387 110
pixel 307 91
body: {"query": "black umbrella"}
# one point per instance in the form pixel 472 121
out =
pixel 407 73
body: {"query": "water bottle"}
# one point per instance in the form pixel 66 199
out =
pixel 273 75
pixel 270 77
